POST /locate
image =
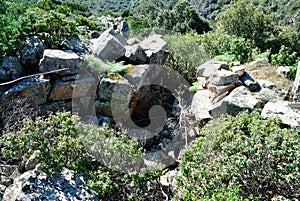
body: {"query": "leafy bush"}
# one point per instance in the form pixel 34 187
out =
pixel 225 57
pixel 219 43
pixel 14 27
pixel 55 137
pixel 182 18
pixel 246 157
pixel 63 141
pixel 284 57
pixel 185 54
pixel 99 66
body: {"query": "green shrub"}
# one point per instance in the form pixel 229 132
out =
pixel 14 27
pixel 185 54
pixel 55 137
pixel 99 66
pixel 225 57
pixel 247 157
pixel 284 57
pixel 219 43
pixel 63 141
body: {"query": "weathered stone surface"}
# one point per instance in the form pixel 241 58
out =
pixel 155 49
pixel 32 52
pixel 71 89
pixel 109 46
pixel 141 74
pixel 223 77
pixel 34 89
pixel 259 62
pixel 78 44
pixel 240 70
pixel 249 82
pixel 238 100
pixel 201 105
pixel 218 90
pixel 117 89
pixel 34 185
pixel 133 41
pixel 296 85
pixel 266 84
pixel 56 106
pixel 211 67
pixel 265 95
pixel 103 108
pixel 58 59
pixel 288 112
pixel 136 55
pixel 10 69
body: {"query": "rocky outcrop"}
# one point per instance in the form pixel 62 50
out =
pixel 58 59
pixel 34 89
pixel 109 46
pixel 259 62
pixel 64 90
pixel 201 106
pixel 31 53
pixel 79 45
pixel 288 112
pixel 35 185
pixel 238 100
pixel 10 69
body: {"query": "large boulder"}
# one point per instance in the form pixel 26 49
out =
pixel 64 90
pixel 78 44
pixel 201 105
pixel 32 52
pixel 259 62
pixel 35 185
pixel 136 55
pixel 288 112
pixel 10 69
pixel 223 77
pixel 238 100
pixel 210 67
pixel 109 46
pixel 58 59
pixel 34 89
pixel 155 48
pixel 113 94
pixel 265 95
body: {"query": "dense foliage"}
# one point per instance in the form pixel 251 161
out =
pixel 241 158
pixel 53 22
pixel 61 141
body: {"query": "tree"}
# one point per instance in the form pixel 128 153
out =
pixel 257 24
pixel 182 18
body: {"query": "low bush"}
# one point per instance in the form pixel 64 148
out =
pixel 284 57
pixel 241 158
pixel 185 54
pixel 218 43
pixel 63 142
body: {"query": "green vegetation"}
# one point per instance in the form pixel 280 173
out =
pixel 241 158
pixel 186 53
pixel 52 22
pixel 63 142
